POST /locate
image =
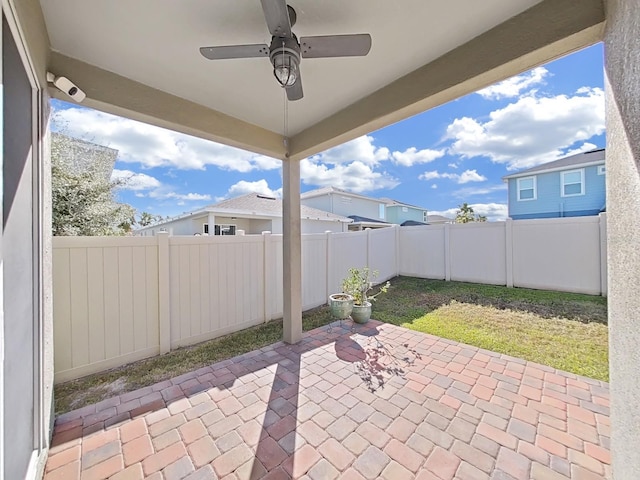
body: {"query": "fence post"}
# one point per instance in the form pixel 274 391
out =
pixel 447 250
pixel 329 253
pixel 164 293
pixel 509 251
pixel 266 272
pixel 397 227
pixel 368 230
pixel 603 254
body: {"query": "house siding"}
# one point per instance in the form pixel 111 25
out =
pixel 396 215
pixel 549 202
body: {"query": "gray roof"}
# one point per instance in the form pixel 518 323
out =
pixel 438 219
pixel 327 190
pixel 258 204
pixel 593 156
pixel 393 203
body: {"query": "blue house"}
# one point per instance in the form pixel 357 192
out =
pixel 570 187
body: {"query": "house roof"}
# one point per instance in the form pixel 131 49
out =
pixel 390 202
pixel 255 205
pixel 592 157
pixel 359 219
pixel 438 219
pixel 329 190
pixel 412 223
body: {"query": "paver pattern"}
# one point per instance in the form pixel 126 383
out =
pixel 380 402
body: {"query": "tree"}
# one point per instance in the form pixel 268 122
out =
pixel 145 219
pixel 465 214
pixel 83 196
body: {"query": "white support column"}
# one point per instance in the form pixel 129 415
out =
pixel 292 252
pixel 211 221
pixel 622 86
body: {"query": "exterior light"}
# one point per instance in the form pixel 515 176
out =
pixel 285 68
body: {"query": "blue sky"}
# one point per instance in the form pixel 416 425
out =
pixel 439 159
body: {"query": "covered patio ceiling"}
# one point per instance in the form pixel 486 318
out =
pixel 141 60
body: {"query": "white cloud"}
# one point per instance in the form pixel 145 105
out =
pixel 356 176
pixel 470 176
pixel 259 186
pixel 465 177
pixel 453 165
pixel 514 85
pixel 165 194
pixel 434 186
pixel 134 181
pixel 430 175
pixel 412 156
pixel 472 191
pixel 153 146
pixel 493 211
pixel 532 130
pixel 147 186
pixel 360 149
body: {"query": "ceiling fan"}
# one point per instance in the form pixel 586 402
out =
pixel 286 51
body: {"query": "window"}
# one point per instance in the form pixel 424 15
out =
pixel 602 169
pixel 527 189
pixel 381 209
pixel 572 183
pixel 224 230
pixel 205 229
pixel 424 216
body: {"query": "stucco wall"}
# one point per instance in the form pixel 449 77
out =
pixel 622 83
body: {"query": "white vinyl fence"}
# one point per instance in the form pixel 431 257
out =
pixel 120 299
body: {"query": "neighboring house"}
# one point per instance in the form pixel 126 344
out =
pixel 439 219
pixel 366 212
pixel 404 213
pixel 570 187
pixel 251 213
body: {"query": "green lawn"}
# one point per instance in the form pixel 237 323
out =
pixel 563 330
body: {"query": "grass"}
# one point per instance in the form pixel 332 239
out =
pixel 563 330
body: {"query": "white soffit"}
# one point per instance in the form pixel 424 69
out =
pixel 155 42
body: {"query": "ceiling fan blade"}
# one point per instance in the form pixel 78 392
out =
pixel 235 51
pixel 277 16
pixel 294 92
pixel 356 45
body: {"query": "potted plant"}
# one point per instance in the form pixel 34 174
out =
pixel 341 305
pixel 358 284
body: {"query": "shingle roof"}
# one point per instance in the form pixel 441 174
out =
pixel 257 204
pixel 392 203
pixel 326 190
pixel 577 160
pixel 438 219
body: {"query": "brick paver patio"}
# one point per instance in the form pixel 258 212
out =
pixel 384 402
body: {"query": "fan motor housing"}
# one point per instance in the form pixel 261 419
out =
pixel 284 45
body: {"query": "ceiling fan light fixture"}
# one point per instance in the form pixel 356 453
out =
pixel 285 68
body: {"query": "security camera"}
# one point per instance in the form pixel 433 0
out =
pixel 67 86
